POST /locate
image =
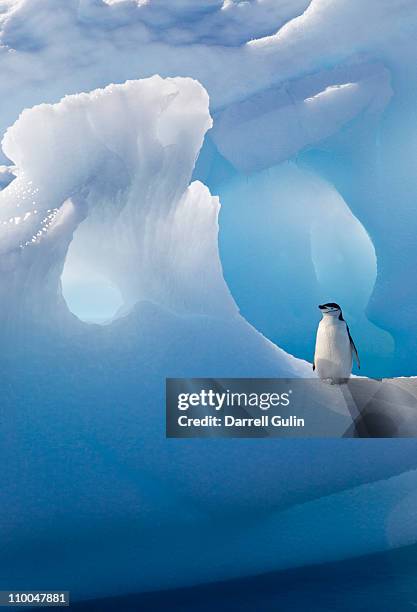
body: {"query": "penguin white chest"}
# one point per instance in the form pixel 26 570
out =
pixel 333 354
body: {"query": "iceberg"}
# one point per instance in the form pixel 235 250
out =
pixel 102 187
pixel 324 93
pixel 283 131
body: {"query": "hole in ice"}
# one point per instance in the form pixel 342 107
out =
pixel 88 283
pixel 91 298
pixel 87 289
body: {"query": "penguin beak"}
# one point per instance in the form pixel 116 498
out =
pixel 322 307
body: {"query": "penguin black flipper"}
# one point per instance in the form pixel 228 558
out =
pixel 354 349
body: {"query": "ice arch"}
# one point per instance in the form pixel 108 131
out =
pixel 289 242
pixel 109 173
pixel 90 163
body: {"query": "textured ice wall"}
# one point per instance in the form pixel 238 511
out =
pixel 90 160
pixel 275 124
pixel 81 415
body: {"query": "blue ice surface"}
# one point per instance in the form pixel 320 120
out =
pixel 96 499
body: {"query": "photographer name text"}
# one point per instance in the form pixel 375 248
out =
pixel 230 421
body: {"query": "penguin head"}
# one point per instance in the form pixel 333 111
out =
pixel 331 308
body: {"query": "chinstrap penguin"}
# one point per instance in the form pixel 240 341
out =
pixel 334 346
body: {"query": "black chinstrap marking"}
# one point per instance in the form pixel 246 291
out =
pixel 329 305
